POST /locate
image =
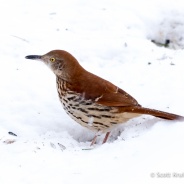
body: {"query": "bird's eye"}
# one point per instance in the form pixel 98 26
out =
pixel 52 59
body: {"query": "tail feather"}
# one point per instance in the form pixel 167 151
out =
pixel 152 112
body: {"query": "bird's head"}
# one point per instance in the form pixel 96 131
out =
pixel 62 63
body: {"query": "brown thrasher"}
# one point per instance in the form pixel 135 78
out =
pixel 90 100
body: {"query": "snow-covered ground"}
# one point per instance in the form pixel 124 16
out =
pixel 111 38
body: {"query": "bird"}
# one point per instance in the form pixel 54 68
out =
pixel 90 100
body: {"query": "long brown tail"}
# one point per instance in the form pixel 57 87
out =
pixel 153 112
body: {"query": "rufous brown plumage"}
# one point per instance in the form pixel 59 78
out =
pixel 90 100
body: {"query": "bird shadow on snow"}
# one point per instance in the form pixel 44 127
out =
pixel 76 136
pixel 135 128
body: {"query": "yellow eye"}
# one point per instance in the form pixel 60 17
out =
pixel 52 59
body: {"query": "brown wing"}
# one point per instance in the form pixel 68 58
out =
pixel 101 91
pixel 116 97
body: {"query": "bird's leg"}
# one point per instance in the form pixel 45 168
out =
pixel 106 137
pixel 94 140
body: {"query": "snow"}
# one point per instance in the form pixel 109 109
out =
pixel 112 39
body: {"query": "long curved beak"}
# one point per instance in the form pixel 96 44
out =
pixel 35 57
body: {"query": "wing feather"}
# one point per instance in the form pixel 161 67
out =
pixel 102 91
